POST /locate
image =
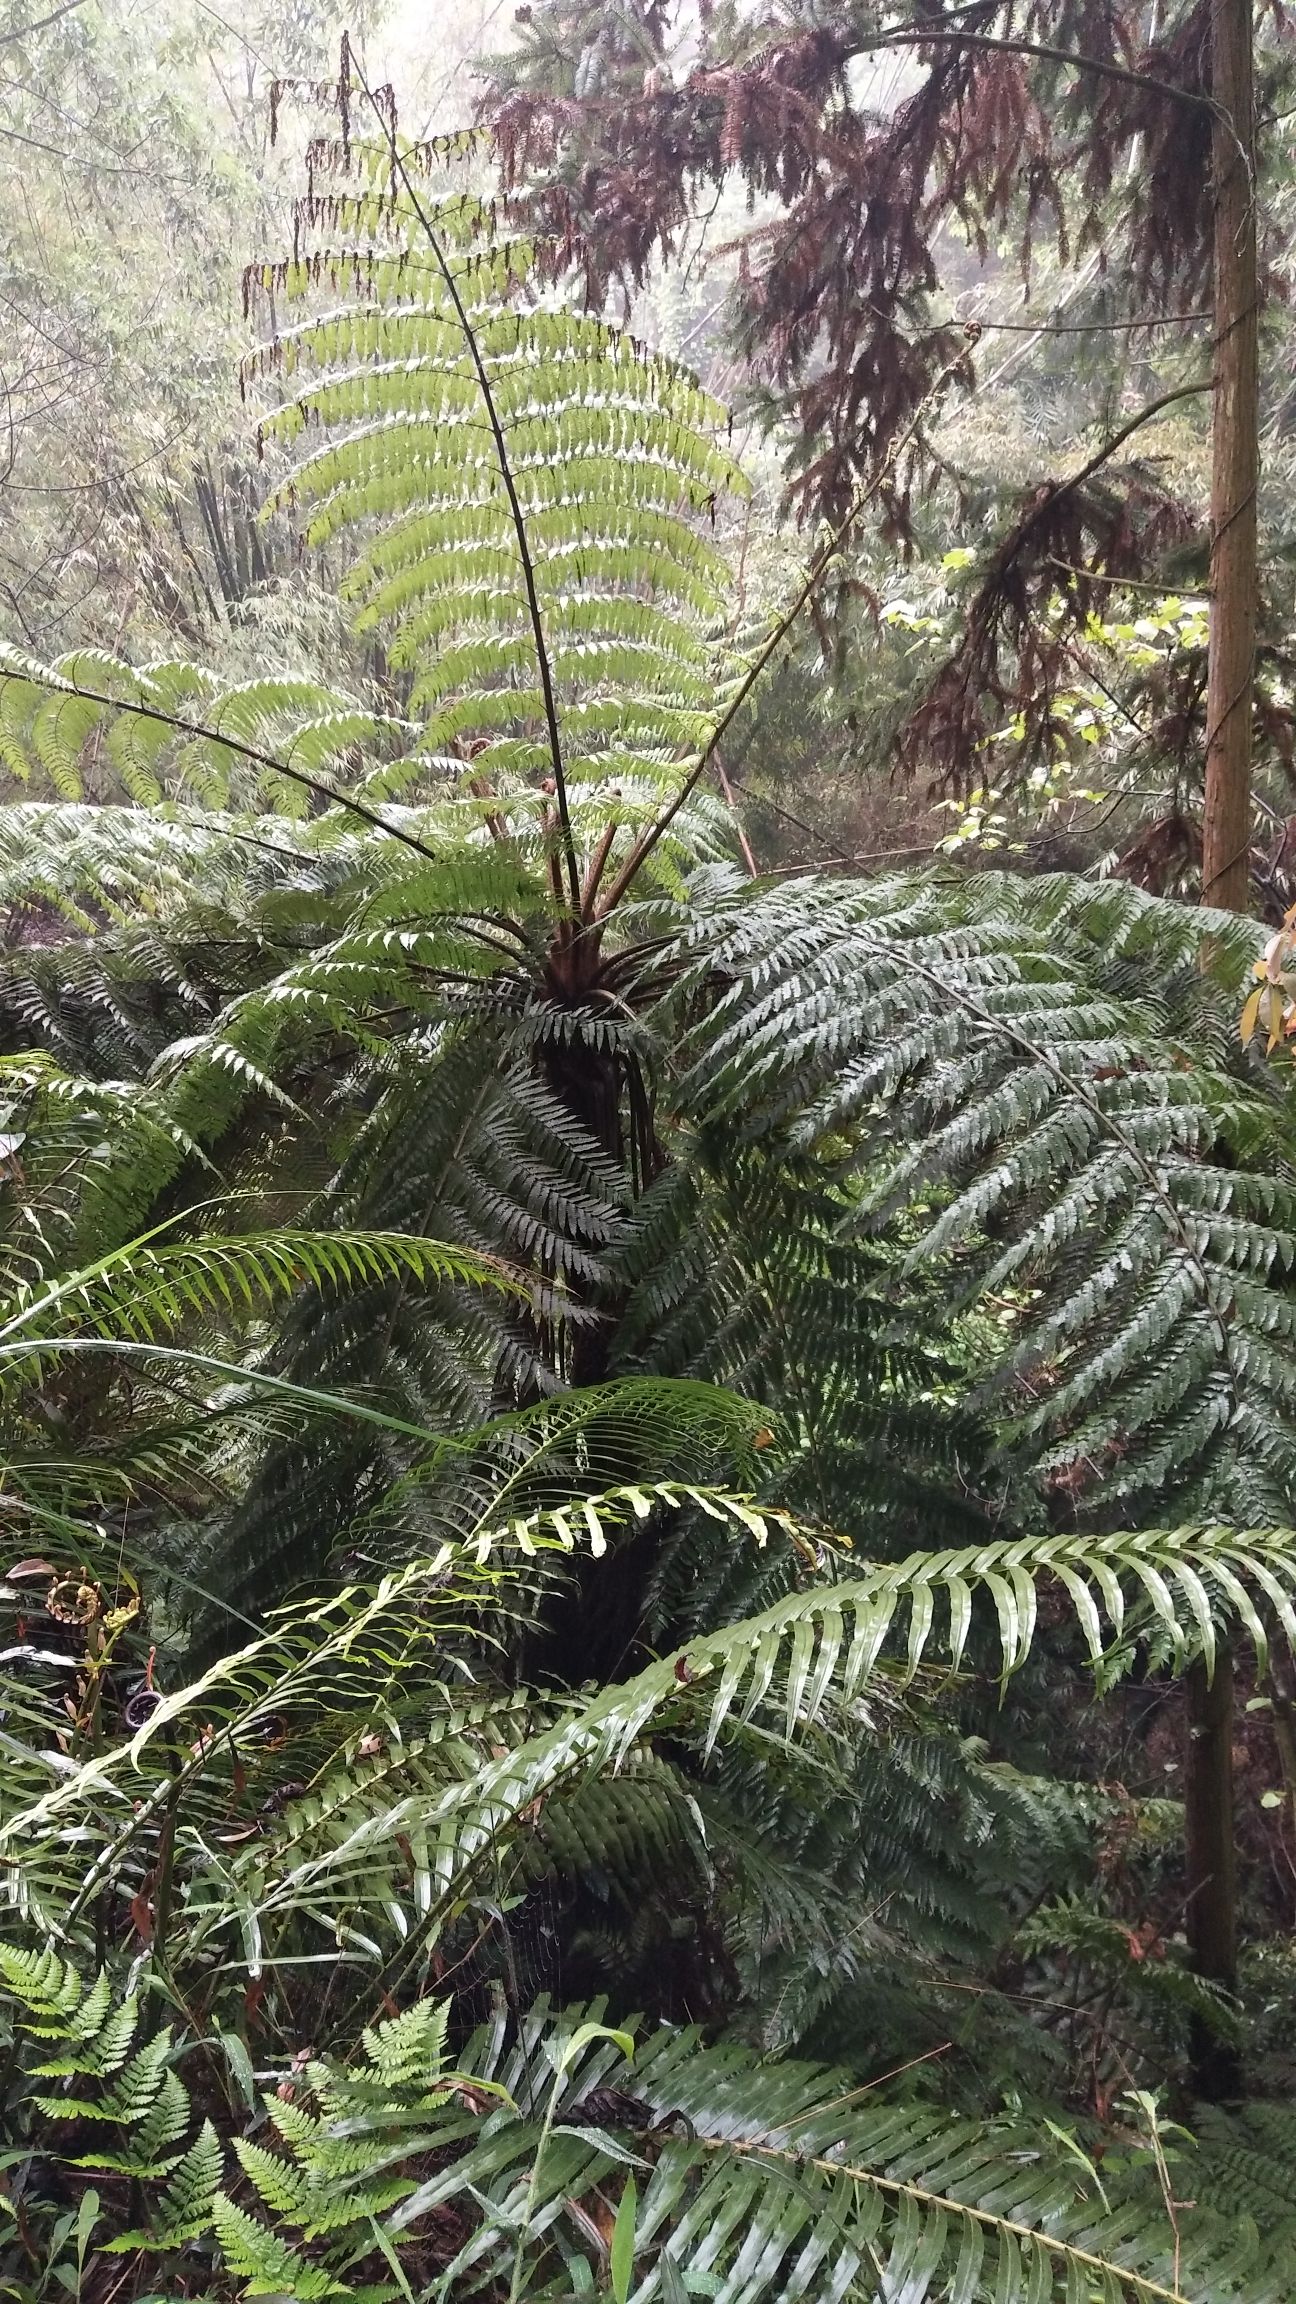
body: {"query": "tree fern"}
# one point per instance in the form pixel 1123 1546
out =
pixel 547 583
pixel 1112 1171
pixel 462 965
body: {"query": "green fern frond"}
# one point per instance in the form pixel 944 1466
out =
pixel 152 2128
pixel 98 2037
pixel 171 730
pixel 152 1286
pixel 812 1652
pixel 266 2262
pixel 514 477
pixel 135 2091
pixel 183 2209
pixel 408 2051
pixel 994 1070
pixel 49 1990
pixel 770 2179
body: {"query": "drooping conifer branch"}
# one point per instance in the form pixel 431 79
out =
pixel 1063 528
pixel 937 35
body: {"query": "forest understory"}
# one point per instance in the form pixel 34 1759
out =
pixel 648 1152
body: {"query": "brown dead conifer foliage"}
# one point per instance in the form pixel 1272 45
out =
pixel 1014 655
pixel 834 297
pixel 1039 119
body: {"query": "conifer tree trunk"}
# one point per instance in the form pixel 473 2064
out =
pixel 1226 846
pixel 1226 823
pixel 1211 1868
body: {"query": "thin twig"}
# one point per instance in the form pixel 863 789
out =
pixel 925 36
pixel 42 23
pixel 1084 327
pixel 819 564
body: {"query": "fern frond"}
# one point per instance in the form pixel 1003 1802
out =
pixel 153 1286
pixel 520 482
pixel 49 1990
pixel 451 1811
pixel 994 1067
pixel 183 2209
pixel 269 2265
pixel 770 2179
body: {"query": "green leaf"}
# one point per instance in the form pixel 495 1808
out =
pixel 623 2242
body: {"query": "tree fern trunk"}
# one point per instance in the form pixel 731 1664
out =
pixel 595 1630
pixel 1226 845
pixel 586 1079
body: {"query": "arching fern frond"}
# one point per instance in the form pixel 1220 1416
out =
pixel 151 1286
pixel 785 2179
pixel 1039 1088
pixel 763 2179
pixel 812 1652
pixel 90 725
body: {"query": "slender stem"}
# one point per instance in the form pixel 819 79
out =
pixel 748 855
pixel 1283 1694
pixel 387 123
pixel 1084 327
pixel 1211 1865
pixel 925 36
pixel 28 31
pixel 597 867
pixel 533 2186
pixel 165 1876
pixel 1115 440
pixel 819 563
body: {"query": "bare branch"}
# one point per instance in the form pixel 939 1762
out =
pixel 924 36
pixel 42 23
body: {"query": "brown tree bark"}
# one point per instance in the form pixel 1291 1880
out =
pixel 1226 821
pixel 1211 1865
pixel 1226 856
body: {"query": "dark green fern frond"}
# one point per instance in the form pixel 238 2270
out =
pixel 1016 1084
pixel 1245 2166
pixel 780 2178
pixel 786 1670
pixel 749 1271
pixel 765 2178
